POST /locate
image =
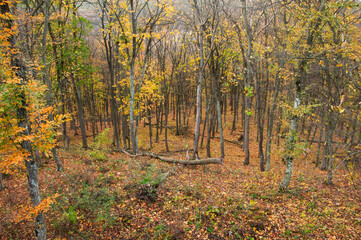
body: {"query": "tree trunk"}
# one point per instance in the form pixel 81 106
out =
pixel 259 124
pixel 290 145
pixel 125 130
pixel 32 170
pixel 101 119
pixel 199 95
pixel 78 99
pixel 319 145
pixel 113 104
pixel 37 157
pixel 206 124
pixel 221 142
pixel 177 110
pixel 161 117
pixel 115 120
pixel 354 131
pixel 59 166
pixel 32 174
pixel 278 129
pixel 327 163
pixel 157 116
pixel 63 125
pixel 72 121
pixel 291 141
pixel 270 124
pixel 209 129
pixel 150 126
pixel 235 109
pixel 47 81
pixel 246 132
pixel 107 38
pixel 2 186
pixel 133 135
pixel 21 112
pixel 247 83
pixel 225 110
pixel 94 113
pixel 166 110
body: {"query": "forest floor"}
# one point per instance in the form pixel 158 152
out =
pixel 104 194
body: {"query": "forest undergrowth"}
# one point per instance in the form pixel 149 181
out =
pixel 104 194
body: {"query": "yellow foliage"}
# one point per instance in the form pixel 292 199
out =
pixel 42 130
pixel 28 212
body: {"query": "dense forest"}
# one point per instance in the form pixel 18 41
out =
pixel 194 119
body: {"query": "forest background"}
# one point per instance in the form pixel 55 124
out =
pixel 199 119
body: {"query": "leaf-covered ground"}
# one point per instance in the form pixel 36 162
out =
pixel 104 194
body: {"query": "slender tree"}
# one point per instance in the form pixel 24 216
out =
pixel 20 73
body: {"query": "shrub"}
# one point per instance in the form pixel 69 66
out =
pixel 144 182
pixel 97 152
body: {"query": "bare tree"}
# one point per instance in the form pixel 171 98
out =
pixel 203 12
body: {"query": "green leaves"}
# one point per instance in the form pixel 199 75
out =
pixel 248 90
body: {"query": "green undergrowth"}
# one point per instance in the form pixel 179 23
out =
pixel 141 198
pixel 86 201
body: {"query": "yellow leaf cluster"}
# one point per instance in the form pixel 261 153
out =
pixel 28 212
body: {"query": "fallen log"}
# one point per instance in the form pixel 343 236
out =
pixel 129 154
pixel 230 141
pixel 187 162
pixel 175 151
pixel 204 161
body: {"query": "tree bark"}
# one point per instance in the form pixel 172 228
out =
pixel 225 109
pixel 2 186
pixel 166 110
pixel 221 142
pixel 73 121
pixel 319 145
pixel 259 124
pixel 47 81
pixel 113 104
pixel 78 99
pixel 235 108
pixel 157 117
pixel 22 115
pixel 290 144
pixel 300 76
pixel 177 113
pixel 291 141
pixel 65 137
pixel 197 127
pixel 270 124
pixel 133 136
pixel 150 126
pixel 206 124
pixel 209 129
pixel 247 83
pixel 354 130
pixel 329 150
pixel 125 130
pixel 32 174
